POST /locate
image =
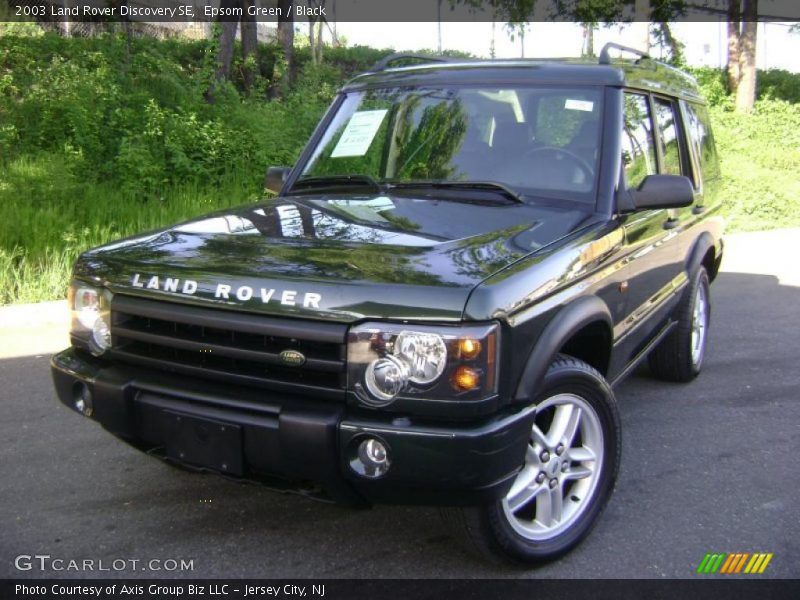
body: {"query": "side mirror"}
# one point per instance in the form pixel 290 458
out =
pixel 275 178
pixel 663 191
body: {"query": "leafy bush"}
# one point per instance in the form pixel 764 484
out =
pixel 760 159
pixel 102 137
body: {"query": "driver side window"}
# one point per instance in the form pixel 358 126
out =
pixel 638 146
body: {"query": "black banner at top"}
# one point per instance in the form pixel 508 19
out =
pixel 183 11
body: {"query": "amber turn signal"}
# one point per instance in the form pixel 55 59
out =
pixel 465 379
pixel 468 348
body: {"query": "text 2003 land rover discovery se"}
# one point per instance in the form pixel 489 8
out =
pixel 464 260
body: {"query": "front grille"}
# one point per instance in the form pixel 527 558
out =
pixel 229 346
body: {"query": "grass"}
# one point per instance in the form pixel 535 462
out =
pixel 48 216
pixel 760 161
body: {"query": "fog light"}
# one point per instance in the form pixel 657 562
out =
pixel 371 459
pixel 83 399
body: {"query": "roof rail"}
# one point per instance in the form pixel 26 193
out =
pixel 605 58
pixel 386 61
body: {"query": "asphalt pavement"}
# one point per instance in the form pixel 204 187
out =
pixel 711 466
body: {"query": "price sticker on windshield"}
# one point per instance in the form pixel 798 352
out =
pixel 582 105
pixel 359 133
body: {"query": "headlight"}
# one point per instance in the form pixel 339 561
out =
pixel 387 361
pixel 91 317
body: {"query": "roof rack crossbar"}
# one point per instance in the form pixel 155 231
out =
pixel 388 60
pixel 605 58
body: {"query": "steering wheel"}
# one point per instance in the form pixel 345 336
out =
pixel 577 160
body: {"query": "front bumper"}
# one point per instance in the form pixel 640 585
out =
pixel 302 443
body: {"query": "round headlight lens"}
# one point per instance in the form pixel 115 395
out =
pixel 87 306
pixel 425 354
pixel 386 377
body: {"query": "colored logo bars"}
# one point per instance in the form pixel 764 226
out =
pixel 736 562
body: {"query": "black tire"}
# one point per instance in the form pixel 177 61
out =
pixel 489 529
pixel 673 359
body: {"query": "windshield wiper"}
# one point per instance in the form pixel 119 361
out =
pixel 324 181
pixel 490 186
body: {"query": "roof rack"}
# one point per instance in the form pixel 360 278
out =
pixel 386 61
pixel 605 58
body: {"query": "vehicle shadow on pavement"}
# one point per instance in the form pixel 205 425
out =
pixel 76 492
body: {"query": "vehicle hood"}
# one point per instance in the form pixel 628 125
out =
pixel 333 257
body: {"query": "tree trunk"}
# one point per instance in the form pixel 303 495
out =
pixel 746 92
pixel 319 37
pixel 734 43
pixel 249 46
pixel 335 30
pixel 312 40
pixel 673 45
pixel 588 40
pixel 641 13
pixel 286 39
pixel 439 25
pixel 227 37
pixel 492 43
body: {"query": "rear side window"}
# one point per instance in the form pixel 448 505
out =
pixel 667 124
pixel 698 128
pixel 638 144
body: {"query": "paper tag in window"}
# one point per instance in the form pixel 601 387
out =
pixel 359 133
pixel 584 105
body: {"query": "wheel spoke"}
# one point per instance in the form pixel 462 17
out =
pixel 581 454
pixel 525 478
pixel 565 424
pixel 548 507
pixel 579 472
pixel 524 489
pixel 538 437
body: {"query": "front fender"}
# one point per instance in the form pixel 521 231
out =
pixel 698 251
pixel 566 323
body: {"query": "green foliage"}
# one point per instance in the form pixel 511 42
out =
pixel 760 160
pixel 50 215
pixel 775 84
pixel 99 140
pixel 759 153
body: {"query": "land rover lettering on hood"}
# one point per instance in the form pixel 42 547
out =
pixel 436 303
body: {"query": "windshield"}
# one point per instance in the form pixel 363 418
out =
pixel 539 141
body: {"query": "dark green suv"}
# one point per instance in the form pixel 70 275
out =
pixel 435 308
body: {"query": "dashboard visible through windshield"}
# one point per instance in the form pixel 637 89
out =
pixel 539 141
